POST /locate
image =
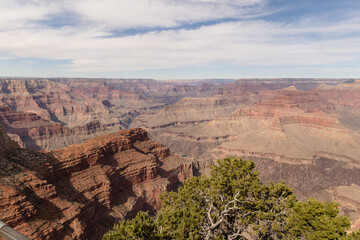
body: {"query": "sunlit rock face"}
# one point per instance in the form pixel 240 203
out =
pixel 79 192
pixel 305 133
pixel 293 123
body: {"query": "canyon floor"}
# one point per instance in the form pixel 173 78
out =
pixel 305 132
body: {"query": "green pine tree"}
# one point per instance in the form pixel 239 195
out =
pixel 233 204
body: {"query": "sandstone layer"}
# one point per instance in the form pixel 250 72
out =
pixel 70 111
pixel 290 124
pixel 79 192
pixel 308 132
pixel 54 114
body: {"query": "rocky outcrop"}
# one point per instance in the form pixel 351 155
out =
pixel 321 122
pixel 33 132
pixel 51 114
pixel 283 126
pixel 344 94
pixel 28 125
pixel 6 144
pixel 80 191
pixel 290 100
pixel 70 111
pixel 285 121
pixel 325 179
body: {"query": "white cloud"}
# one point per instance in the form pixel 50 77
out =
pixel 160 13
pixel 124 14
pixel 22 13
pixel 309 42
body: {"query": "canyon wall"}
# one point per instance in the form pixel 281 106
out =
pixel 79 192
pixel 301 132
pixel 60 112
pixel 290 124
pixel 51 114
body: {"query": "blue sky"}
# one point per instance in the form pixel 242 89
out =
pixel 180 39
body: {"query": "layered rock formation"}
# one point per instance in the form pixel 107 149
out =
pixel 33 132
pixel 79 192
pixel 324 177
pixel 6 143
pixel 180 125
pixel 61 112
pixel 54 114
pixel 346 98
pixel 300 133
pixel 75 110
pixel 289 124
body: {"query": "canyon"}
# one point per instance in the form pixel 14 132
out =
pixel 81 159
pixel 304 134
pixel 79 192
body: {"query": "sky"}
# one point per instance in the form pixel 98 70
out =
pixel 180 39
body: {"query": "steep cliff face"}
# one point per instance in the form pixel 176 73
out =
pixel 33 132
pixel 286 122
pixel 304 137
pixel 39 96
pixel 75 110
pixel 79 192
pixel 6 144
pixel 325 176
pixel 283 122
pixel 49 115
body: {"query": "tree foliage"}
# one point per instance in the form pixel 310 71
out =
pixel 352 236
pixel 233 204
pixel 141 227
pixel 317 220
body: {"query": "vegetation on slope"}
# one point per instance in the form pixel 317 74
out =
pixel 233 204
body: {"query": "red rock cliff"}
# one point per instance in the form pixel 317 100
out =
pixel 79 192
